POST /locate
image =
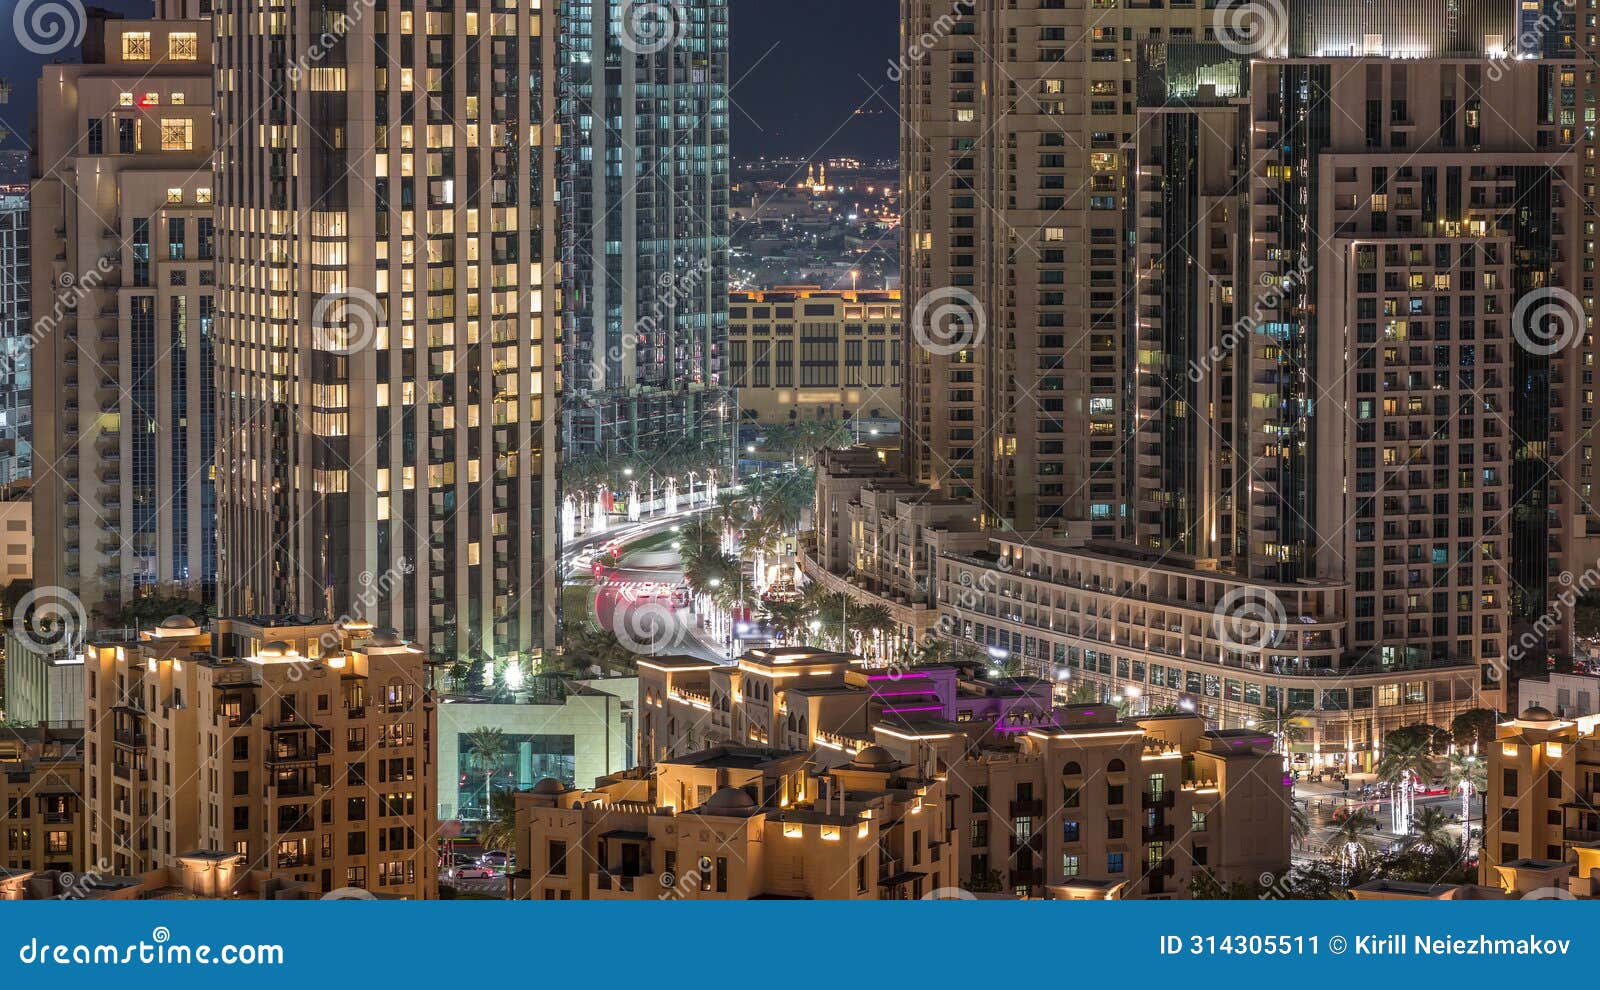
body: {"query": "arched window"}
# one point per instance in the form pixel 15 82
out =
pixel 1116 766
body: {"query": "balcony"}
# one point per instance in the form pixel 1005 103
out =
pixel 1031 808
pixel 1166 799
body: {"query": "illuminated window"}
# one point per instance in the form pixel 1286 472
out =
pixel 136 46
pixel 174 195
pixel 176 99
pixel 126 99
pixel 177 134
pixel 203 195
pixel 183 46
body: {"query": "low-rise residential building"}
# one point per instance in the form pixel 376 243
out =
pixel 798 698
pixel 41 788
pixel 304 748
pixel 201 874
pixel 739 823
pixel 1046 801
pixel 1542 805
pixel 804 352
pixel 1567 695
pixel 1093 806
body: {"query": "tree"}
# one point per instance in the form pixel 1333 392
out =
pixel 787 617
pixel 1299 824
pixel 500 834
pixel 1474 729
pixel 1288 727
pixel 1431 739
pixel 1430 831
pixel 1353 843
pixel 486 747
pixel 1402 753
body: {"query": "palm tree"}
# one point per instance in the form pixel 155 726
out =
pixel 1404 754
pixel 1287 727
pixel 1353 844
pixel 786 617
pixel 486 746
pixel 1299 824
pixel 869 622
pixel 1429 831
pixel 500 834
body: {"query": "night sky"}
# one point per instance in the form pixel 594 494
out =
pixel 801 72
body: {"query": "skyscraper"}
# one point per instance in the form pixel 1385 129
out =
pixel 123 302
pixel 1015 181
pixel 645 173
pixel 1360 342
pixel 387 317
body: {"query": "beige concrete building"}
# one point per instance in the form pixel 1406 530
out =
pixel 1542 808
pixel 304 750
pixel 1017 185
pixel 201 874
pixel 123 236
pixel 1090 806
pixel 739 823
pixel 1151 804
pixel 804 352
pixel 16 530
pixel 388 315
pixel 42 811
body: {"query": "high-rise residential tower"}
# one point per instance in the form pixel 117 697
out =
pixel 122 307
pixel 388 315
pixel 645 173
pixel 1014 175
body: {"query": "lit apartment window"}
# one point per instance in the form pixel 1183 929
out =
pixel 177 134
pixel 174 195
pixel 183 46
pixel 136 46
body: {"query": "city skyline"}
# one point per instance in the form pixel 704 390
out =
pixel 460 475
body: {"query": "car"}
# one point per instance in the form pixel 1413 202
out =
pixel 456 859
pixel 472 871
pixel 497 859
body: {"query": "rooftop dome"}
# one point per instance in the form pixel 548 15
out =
pixel 385 637
pixel 875 757
pixel 549 785
pixel 730 801
pixel 176 622
pixel 1537 713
